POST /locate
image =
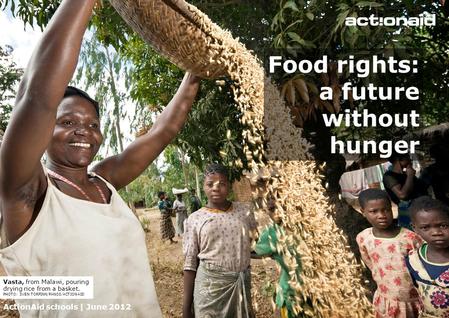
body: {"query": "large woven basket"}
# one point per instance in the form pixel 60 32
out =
pixel 174 29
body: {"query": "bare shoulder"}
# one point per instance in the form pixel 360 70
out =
pixel 105 167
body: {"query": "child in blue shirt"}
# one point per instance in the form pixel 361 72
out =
pixel 429 265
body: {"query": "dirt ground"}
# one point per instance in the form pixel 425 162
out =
pixel 166 261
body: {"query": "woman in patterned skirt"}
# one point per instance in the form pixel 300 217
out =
pixel 167 229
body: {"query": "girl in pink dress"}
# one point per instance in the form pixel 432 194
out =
pixel 383 248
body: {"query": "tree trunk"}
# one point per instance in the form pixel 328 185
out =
pixel 116 103
pixel 197 182
pixel 185 169
pixel 116 98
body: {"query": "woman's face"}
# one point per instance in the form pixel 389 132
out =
pixel 77 136
pixel 216 188
pixel 405 162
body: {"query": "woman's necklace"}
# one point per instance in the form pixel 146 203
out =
pixel 63 179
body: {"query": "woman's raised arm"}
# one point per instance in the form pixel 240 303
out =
pixel 22 180
pixel 40 91
pixel 120 170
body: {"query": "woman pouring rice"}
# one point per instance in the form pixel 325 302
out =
pixel 60 220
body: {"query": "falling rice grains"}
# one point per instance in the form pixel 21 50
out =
pixel 284 170
pixel 329 280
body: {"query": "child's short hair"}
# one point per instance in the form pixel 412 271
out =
pixel 373 194
pixel 160 193
pixel 216 168
pixel 426 203
pixel 395 156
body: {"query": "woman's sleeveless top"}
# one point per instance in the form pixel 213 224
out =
pixel 73 237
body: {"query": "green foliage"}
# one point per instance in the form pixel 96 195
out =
pixel 110 27
pixel 10 75
pixel 311 29
pixel 174 176
pixel 154 179
pixel 100 67
pixel 145 187
pixel 213 132
pixel 320 25
pixel 145 222
pixel 154 80
pixel 247 20
pixel 178 171
pixel 31 12
pixel 301 28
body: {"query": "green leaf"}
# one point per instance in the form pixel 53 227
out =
pixel 310 16
pixel 275 21
pixel 295 37
pixel 291 5
pixel 341 19
pixel 293 24
pixel 342 6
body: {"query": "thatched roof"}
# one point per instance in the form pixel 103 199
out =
pixel 431 131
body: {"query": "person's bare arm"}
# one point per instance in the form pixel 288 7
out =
pixel 120 170
pixel 404 192
pixel 32 122
pixel 40 92
pixel 187 303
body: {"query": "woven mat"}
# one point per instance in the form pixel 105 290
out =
pixel 174 29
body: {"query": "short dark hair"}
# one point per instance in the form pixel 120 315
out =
pixel 74 91
pixel 426 203
pixel 398 156
pixel 216 168
pixel 373 194
pixel 160 193
pixel 437 151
